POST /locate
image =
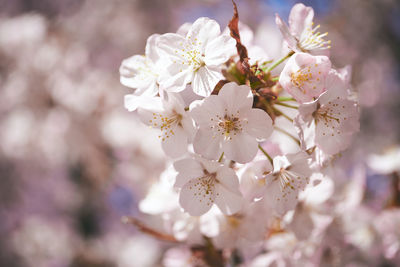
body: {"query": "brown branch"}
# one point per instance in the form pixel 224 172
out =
pixel 255 75
pixel 145 229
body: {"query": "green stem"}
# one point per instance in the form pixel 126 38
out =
pixel 277 63
pixel 286 105
pixel 221 157
pixel 275 79
pixel 265 153
pixel 285 98
pixel 288 134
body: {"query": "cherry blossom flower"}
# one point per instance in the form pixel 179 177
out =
pixel 330 121
pixel 290 176
pixel 204 183
pixel 228 123
pixel 170 117
pixel 141 72
pixel 195 58
pixel 301 36
pixel 304 76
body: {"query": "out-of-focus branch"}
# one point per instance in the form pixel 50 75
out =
pixel 145 229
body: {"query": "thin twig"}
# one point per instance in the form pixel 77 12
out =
pixel 278 62
pixel 265 153
pixel 145 229
pixel 286 105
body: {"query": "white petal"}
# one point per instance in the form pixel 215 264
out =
pixel 300 18
pixel 176 144
pixel 184 29
pixel 299 164
pixel 151 116
pixel 241 148
pixel 333 134
pixel 188 127
pixel 203 111
pixel 302 224
pixel 259 124
pixel 177 82
pixel 306 132
pixel 207 144
pixel 287 35
pixel 187 169
pixel 227 201
pixel 228 178
pixel 137 72
pixel 132 102
pixel 331 143
pixel 205 79
pixel 219 50
pixel 236 97
pixel 195 198
pixel 151 48
pixel 205 30
pixel 279 201
pixel 168 44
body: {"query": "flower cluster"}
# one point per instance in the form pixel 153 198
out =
pixel 249 145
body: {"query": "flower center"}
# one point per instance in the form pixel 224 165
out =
pixel 289 182
pixel 227 125
pixel 166 124
pixel 311 39
pixel 190 54
pixel 204 187
pixel 330 115
pixel 300 77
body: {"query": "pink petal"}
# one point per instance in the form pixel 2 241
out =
pixel 176 145
pixel 228 178
pixel 287 35
pixel 219 50
pixel 203 111
pixel 300 18
pixel 227 201
pixel 241 148
pixel 187 169
pixel 205 79
pixel 259 124
pixel 274 196
pixel 195 198
pixel 207 144
pixel 236 97
pixel 205 30
pixel 151 50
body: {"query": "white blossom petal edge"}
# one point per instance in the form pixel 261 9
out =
pixel 204 183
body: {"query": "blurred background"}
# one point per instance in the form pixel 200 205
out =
pixel 73 160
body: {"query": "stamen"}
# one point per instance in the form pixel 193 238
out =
pixel 227 126
pixel 311 39
pixel 166 124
